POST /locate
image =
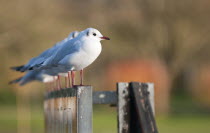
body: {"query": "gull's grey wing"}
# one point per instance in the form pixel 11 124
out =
pixel 36 61
pixel 62 49
pixel 29 77
pixel 41 58
pixel 70 47
pixel 49 52
pixel 26 66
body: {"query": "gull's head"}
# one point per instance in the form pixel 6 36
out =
pixel 94 34
pixel 73 35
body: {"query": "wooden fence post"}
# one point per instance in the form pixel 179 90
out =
pixel 136 108
pixel 151 90
pixel 123 108
pixel 142 106
pixel 69 110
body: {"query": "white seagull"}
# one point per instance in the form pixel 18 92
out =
pixel 46 75
pixel 76 54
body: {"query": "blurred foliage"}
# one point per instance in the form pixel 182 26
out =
pixel 172 33
pixel 5 95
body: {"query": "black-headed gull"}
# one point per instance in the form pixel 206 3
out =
pixel 40 75
pixel 76 54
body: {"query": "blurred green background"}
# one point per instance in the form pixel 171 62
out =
pixel 164 41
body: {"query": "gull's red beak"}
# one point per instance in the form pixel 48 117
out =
pixel 104 38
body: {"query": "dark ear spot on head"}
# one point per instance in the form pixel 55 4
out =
pixel 88 33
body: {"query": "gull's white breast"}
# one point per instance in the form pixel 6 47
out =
pixel 88 52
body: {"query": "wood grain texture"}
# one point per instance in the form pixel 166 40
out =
pixel 69 110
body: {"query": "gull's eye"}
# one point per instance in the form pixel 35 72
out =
pixel 94 34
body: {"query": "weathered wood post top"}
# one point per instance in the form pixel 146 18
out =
pixel 69 110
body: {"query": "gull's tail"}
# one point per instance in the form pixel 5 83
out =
pixel 15 81
pixel 18 68
pixel 21 81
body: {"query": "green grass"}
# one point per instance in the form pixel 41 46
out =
pixel 184 124
pixel 104 121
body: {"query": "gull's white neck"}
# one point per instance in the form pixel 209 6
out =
pixel 91 47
